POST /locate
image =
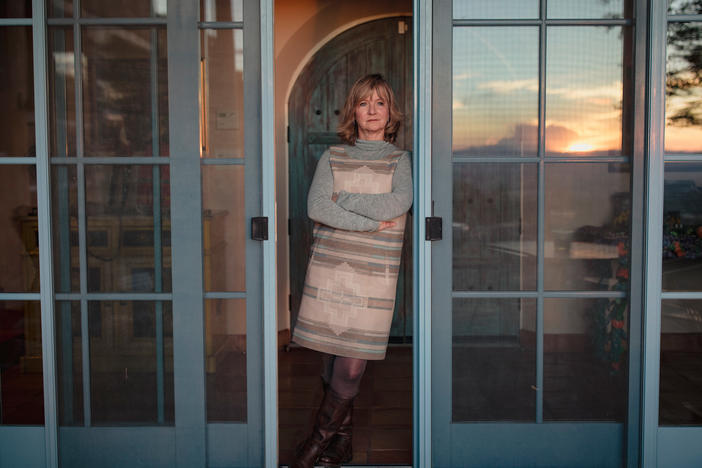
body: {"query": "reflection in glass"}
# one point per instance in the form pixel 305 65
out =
pixel 684 7
pixel 494 360
pixel 495 9
pixel 131 362
pixel 16 92
pixel 585 359
pixel 587 225
pixel 125 92
pixel 222 110
pixel 495 91
pixel 224 228
pixel 588 9
pixel 62 105
pixel 221 10
pixel 494 227
pixel 680 398
pixel 225 360
pixel 128 236
pixel 123 8
pixel 59 8
pixel 21 384
pixel 19 238
pixel 64 197
pixel 682 227
pixel 584 92
pixel 683 105
pixel 69 363
pixel 16 9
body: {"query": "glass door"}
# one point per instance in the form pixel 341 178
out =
pixel 156 175
pixel 676 314
pixel 23 388
pixel 532 157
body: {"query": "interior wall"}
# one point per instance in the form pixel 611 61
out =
pixel 302 27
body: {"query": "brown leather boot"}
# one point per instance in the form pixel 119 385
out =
pixel 339 450
pixel 330 415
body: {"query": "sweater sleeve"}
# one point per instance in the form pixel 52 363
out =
pixel 383 206
pixel 322 209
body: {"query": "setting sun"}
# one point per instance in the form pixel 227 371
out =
pixel 580 147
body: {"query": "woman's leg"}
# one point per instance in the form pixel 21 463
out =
pixel 331 415
pixel 345 380
pixel 327 368
pixel 347 375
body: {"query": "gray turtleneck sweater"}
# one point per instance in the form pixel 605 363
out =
pixel 360 211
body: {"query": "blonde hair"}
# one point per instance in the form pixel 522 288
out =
pixel 361 89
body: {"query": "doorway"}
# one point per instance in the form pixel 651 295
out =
pixel 383 413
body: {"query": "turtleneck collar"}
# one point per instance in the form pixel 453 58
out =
pixel 370 149
pixel 371 145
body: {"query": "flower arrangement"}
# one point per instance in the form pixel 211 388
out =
pixel 609 317
pixel 681 240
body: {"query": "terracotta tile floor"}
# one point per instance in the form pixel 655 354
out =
pixel 382 413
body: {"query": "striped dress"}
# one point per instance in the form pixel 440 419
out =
pixel 349 292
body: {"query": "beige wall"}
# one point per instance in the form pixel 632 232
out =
pixel 301 28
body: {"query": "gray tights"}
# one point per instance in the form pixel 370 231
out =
pixel 343 374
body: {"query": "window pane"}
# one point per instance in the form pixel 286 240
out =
pixel 225 347
pixel 131 362
pixel 683 105
pixel 21 385
pixel 681 361
pixel 587 219
pixel 590 9
pixel 224 228
pixel 495 9
pixel 684 7
pixel 682 227
pixel 128 228
pixel 222 111
pixel 16 9
pixel 16 92
pixel 584 91
pixel 585 359
pixel 69 363
pixel 62 95
pixel 495 91
pixel 125 92
pixel 222 10
pixel 59 8
pixel 494 227
pixel 494 360
pixel 123 8
pixel 19 255
pixel 64 199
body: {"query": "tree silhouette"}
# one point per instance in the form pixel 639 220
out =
pixel 684 73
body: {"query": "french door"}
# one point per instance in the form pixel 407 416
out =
pixel 155 153
pixel 534 348
pixel 672 432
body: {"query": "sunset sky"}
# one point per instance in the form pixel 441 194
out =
pixel 495 92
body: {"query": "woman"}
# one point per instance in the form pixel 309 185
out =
pixel 359 198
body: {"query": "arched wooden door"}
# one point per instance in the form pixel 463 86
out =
pixel 381 46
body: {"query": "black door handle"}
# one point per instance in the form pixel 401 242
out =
pixel 259 228
pixel 433 228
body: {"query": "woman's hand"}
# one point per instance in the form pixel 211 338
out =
pixel 385 225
